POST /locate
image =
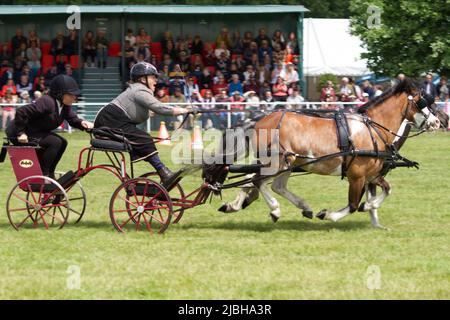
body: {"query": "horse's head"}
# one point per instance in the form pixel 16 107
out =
pixel 439 113
pixel 419 111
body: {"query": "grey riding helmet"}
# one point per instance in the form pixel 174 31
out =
pixel 142 69
pixel 63 84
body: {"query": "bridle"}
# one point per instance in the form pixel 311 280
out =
pixel 421 104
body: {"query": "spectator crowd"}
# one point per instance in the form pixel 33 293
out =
pixel 243 72
pixel 231 70
pixel 25 73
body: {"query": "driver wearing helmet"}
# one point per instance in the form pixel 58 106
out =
pixel 132 107
pixel 38 119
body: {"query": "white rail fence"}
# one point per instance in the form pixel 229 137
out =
pixel 249 107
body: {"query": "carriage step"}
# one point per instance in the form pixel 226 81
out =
pixel 64 181
pixel 141 188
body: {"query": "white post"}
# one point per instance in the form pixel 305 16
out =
pixel 229 115
pixel 148 125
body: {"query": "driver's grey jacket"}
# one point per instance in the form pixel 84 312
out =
pixel 137 100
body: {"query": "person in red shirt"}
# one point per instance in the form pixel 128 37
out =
pixel 9 86
pixel 237 117
pixel 218 87
pixel 8 111
pixel 280 90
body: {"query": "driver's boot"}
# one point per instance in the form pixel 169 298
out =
pixel 167 176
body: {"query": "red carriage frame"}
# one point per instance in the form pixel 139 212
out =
pixel 137 203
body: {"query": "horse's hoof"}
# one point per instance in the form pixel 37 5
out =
pixel 223 208
pixel 361 207
pixel 308 214
pixel 274 218
pixel 322 214
pixel 245 204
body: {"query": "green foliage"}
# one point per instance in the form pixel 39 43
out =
pixel 413 36
pixel 323 78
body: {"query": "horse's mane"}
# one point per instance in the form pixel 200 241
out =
pixel 407 86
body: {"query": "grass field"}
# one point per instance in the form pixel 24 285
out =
pixel 211 255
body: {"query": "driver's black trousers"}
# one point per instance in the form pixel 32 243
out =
pixel 143 146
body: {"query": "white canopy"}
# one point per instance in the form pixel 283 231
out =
pixel 330 48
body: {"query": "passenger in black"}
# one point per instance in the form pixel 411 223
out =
pixel 39 119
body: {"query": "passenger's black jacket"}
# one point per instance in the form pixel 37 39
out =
pixel 40 117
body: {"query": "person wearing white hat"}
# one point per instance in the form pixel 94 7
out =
pixel 25 97
pixel 252 99
pixel 37 94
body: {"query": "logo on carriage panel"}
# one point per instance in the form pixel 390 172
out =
pixel 25 163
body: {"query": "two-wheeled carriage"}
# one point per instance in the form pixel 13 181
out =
pixel 140 203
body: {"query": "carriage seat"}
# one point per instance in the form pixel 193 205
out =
pixel 109 145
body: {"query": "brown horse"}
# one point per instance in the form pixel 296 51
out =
pixel 304 138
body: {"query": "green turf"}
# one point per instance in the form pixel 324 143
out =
pixel 211 255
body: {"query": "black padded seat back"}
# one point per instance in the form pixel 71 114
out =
pixel 109 145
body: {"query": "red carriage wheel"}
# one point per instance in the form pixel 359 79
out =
pixel 37 201
pixel 77 198
pixel 176 194
pixel 140 204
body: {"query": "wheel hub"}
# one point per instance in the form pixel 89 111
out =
pixel 140 209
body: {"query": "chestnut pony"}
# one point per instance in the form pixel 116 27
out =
pixel 304 138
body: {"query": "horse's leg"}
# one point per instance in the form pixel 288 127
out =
pixel 252 195
pixel 237 203
pixel 354 197
pixel 273 204
pixel 279 185
pixel 375 201
pixel 372 198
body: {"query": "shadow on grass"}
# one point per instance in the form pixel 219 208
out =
pixel 82 224
pixel 268 226
pixel 256 226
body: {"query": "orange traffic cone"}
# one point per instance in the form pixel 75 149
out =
pixel 164 134
pixel 197 141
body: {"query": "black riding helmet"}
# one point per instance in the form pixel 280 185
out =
pixel 142 69
pixel 63 84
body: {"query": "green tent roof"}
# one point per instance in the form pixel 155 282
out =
pixel 162 9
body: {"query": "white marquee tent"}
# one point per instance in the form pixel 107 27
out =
pixel 330 48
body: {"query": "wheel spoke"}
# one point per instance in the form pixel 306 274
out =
pixel 62 214
pixel 30 191
pixel 145 192
pixel 153 217
pixel 135 196
pixel 42 218
pixel 156 207
pixel 74 211
pixel 160 215
pixel 127 201
pixel 54 215
pixel 30 215
pixel 20 198
pixel 75 199
pixel 138 222
pixel 123 210
pixel 128 220
pixel 148 225
pixel 21 209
